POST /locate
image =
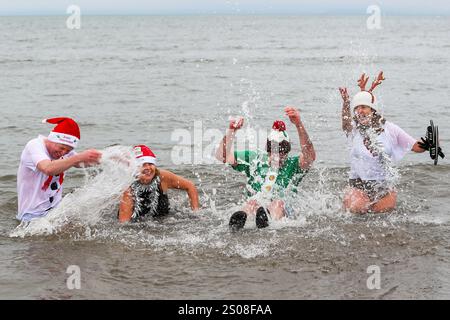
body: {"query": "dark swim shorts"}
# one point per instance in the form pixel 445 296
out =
pixel 374 189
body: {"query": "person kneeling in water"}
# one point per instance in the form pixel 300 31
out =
pixel 147 195
pixel 268 174
pixel 375 142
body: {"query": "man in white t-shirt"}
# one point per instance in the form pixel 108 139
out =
pixel 42 165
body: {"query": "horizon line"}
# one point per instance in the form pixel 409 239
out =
pixel 352 14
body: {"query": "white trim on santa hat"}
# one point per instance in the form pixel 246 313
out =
pixel 146 159
pixel 63 138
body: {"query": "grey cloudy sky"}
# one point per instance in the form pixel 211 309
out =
pixel 389 7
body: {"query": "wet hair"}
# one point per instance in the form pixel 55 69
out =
pixel 284 147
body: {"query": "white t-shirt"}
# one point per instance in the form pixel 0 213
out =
pixel 32 200
pixel 396 143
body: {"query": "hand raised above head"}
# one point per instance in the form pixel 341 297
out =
pixel 293 114
pixel 236 124
pixel 344 94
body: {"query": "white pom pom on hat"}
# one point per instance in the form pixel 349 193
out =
pixel 278 132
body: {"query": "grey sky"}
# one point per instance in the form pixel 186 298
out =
pixel 389 7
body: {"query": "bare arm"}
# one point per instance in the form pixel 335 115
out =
pixel 170 180
pixel 55 167
pixel 225 152
pixel 126 206
pixel 346 114
pixel 308 154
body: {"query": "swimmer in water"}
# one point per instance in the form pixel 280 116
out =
pixel 147 195
pixel 43 164
pixel 375 142
pixel 268 174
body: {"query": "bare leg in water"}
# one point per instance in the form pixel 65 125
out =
pixel 357 201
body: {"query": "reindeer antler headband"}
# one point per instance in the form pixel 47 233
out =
pixel 362 82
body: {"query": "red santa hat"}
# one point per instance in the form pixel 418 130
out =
pixel 143 154
pixel 278 132
pixel 66 131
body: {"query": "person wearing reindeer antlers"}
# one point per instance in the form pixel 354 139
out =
pixel 375 143
pixel 268 174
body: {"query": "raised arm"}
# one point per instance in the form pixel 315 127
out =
pixel 170 180
pixel 346 114
pixel 126 206
pixel 308 154
pixel 225 150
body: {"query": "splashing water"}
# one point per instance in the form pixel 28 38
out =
pixel 392 173
pixel 87 205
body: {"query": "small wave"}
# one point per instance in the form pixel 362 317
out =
pixel 16 60
pixel 57 94
pixel 87 124
pixel 8 178
pixel 235 47
pixel 323 47
pixel 201 60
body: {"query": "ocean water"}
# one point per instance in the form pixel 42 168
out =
pixel 132 80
